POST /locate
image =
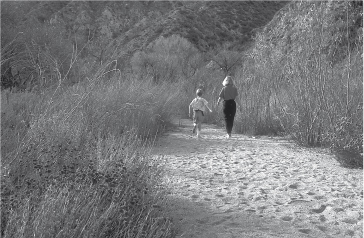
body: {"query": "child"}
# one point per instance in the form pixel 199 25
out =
pixel 198 105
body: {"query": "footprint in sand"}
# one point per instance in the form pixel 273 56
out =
pixel 320 209
pixel 221 221
pixel 306 231
pixel 287 218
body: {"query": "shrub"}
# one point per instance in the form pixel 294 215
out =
pixel 168 59
pixel 39 55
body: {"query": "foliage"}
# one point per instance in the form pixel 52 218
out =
pixel 227 61
pixel 81 163
pixel 215 23
pixel 304 90
pixel 168 59
pixel 36 56
pixel 99 32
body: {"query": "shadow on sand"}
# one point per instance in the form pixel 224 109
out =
pixel 195 219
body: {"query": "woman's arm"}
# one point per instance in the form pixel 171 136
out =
pixel 218 100
pixel 221 96
pixel 237 99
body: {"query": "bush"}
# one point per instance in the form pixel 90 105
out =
pixel 37 56
pixel 16 114
pixel 167 59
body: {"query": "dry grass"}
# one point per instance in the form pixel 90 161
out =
pixel 80 166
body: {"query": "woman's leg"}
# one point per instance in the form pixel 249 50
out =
pixel 229 114
pixel 225 110
pixel 229 125
pixel 232 115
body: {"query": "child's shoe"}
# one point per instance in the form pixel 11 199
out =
pixel 194 129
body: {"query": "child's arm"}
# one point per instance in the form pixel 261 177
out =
pixel 208 107
pixel 189 109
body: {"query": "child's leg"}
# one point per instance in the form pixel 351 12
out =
pixel 199 127
pixel 199 122
pixel 199 130
pixel 195 120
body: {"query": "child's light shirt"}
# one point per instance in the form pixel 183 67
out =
pixel 199 103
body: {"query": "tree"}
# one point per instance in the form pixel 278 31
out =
pixel 167 59
pixel 227 61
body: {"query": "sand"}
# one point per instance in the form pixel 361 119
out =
pixel 256 187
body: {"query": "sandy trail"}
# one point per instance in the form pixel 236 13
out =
pixel 266 187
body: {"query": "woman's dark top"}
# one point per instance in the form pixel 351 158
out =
pixel 229 92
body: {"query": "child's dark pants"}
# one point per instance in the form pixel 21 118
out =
pixel 229 114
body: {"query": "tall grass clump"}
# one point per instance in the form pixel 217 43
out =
pixel 81 165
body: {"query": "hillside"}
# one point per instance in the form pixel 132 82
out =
pixel 135 24
pixel 340 33
pixel 206 24
pixel 107 30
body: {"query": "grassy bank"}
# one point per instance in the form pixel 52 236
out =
pixel 76 160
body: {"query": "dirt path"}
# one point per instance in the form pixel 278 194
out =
pixel 247 187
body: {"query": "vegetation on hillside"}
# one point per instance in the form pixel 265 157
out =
pixel 104 31
pixel 306 67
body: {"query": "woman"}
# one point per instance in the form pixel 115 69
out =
pixel 228 94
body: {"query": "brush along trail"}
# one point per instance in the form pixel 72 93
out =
pixel 256 187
